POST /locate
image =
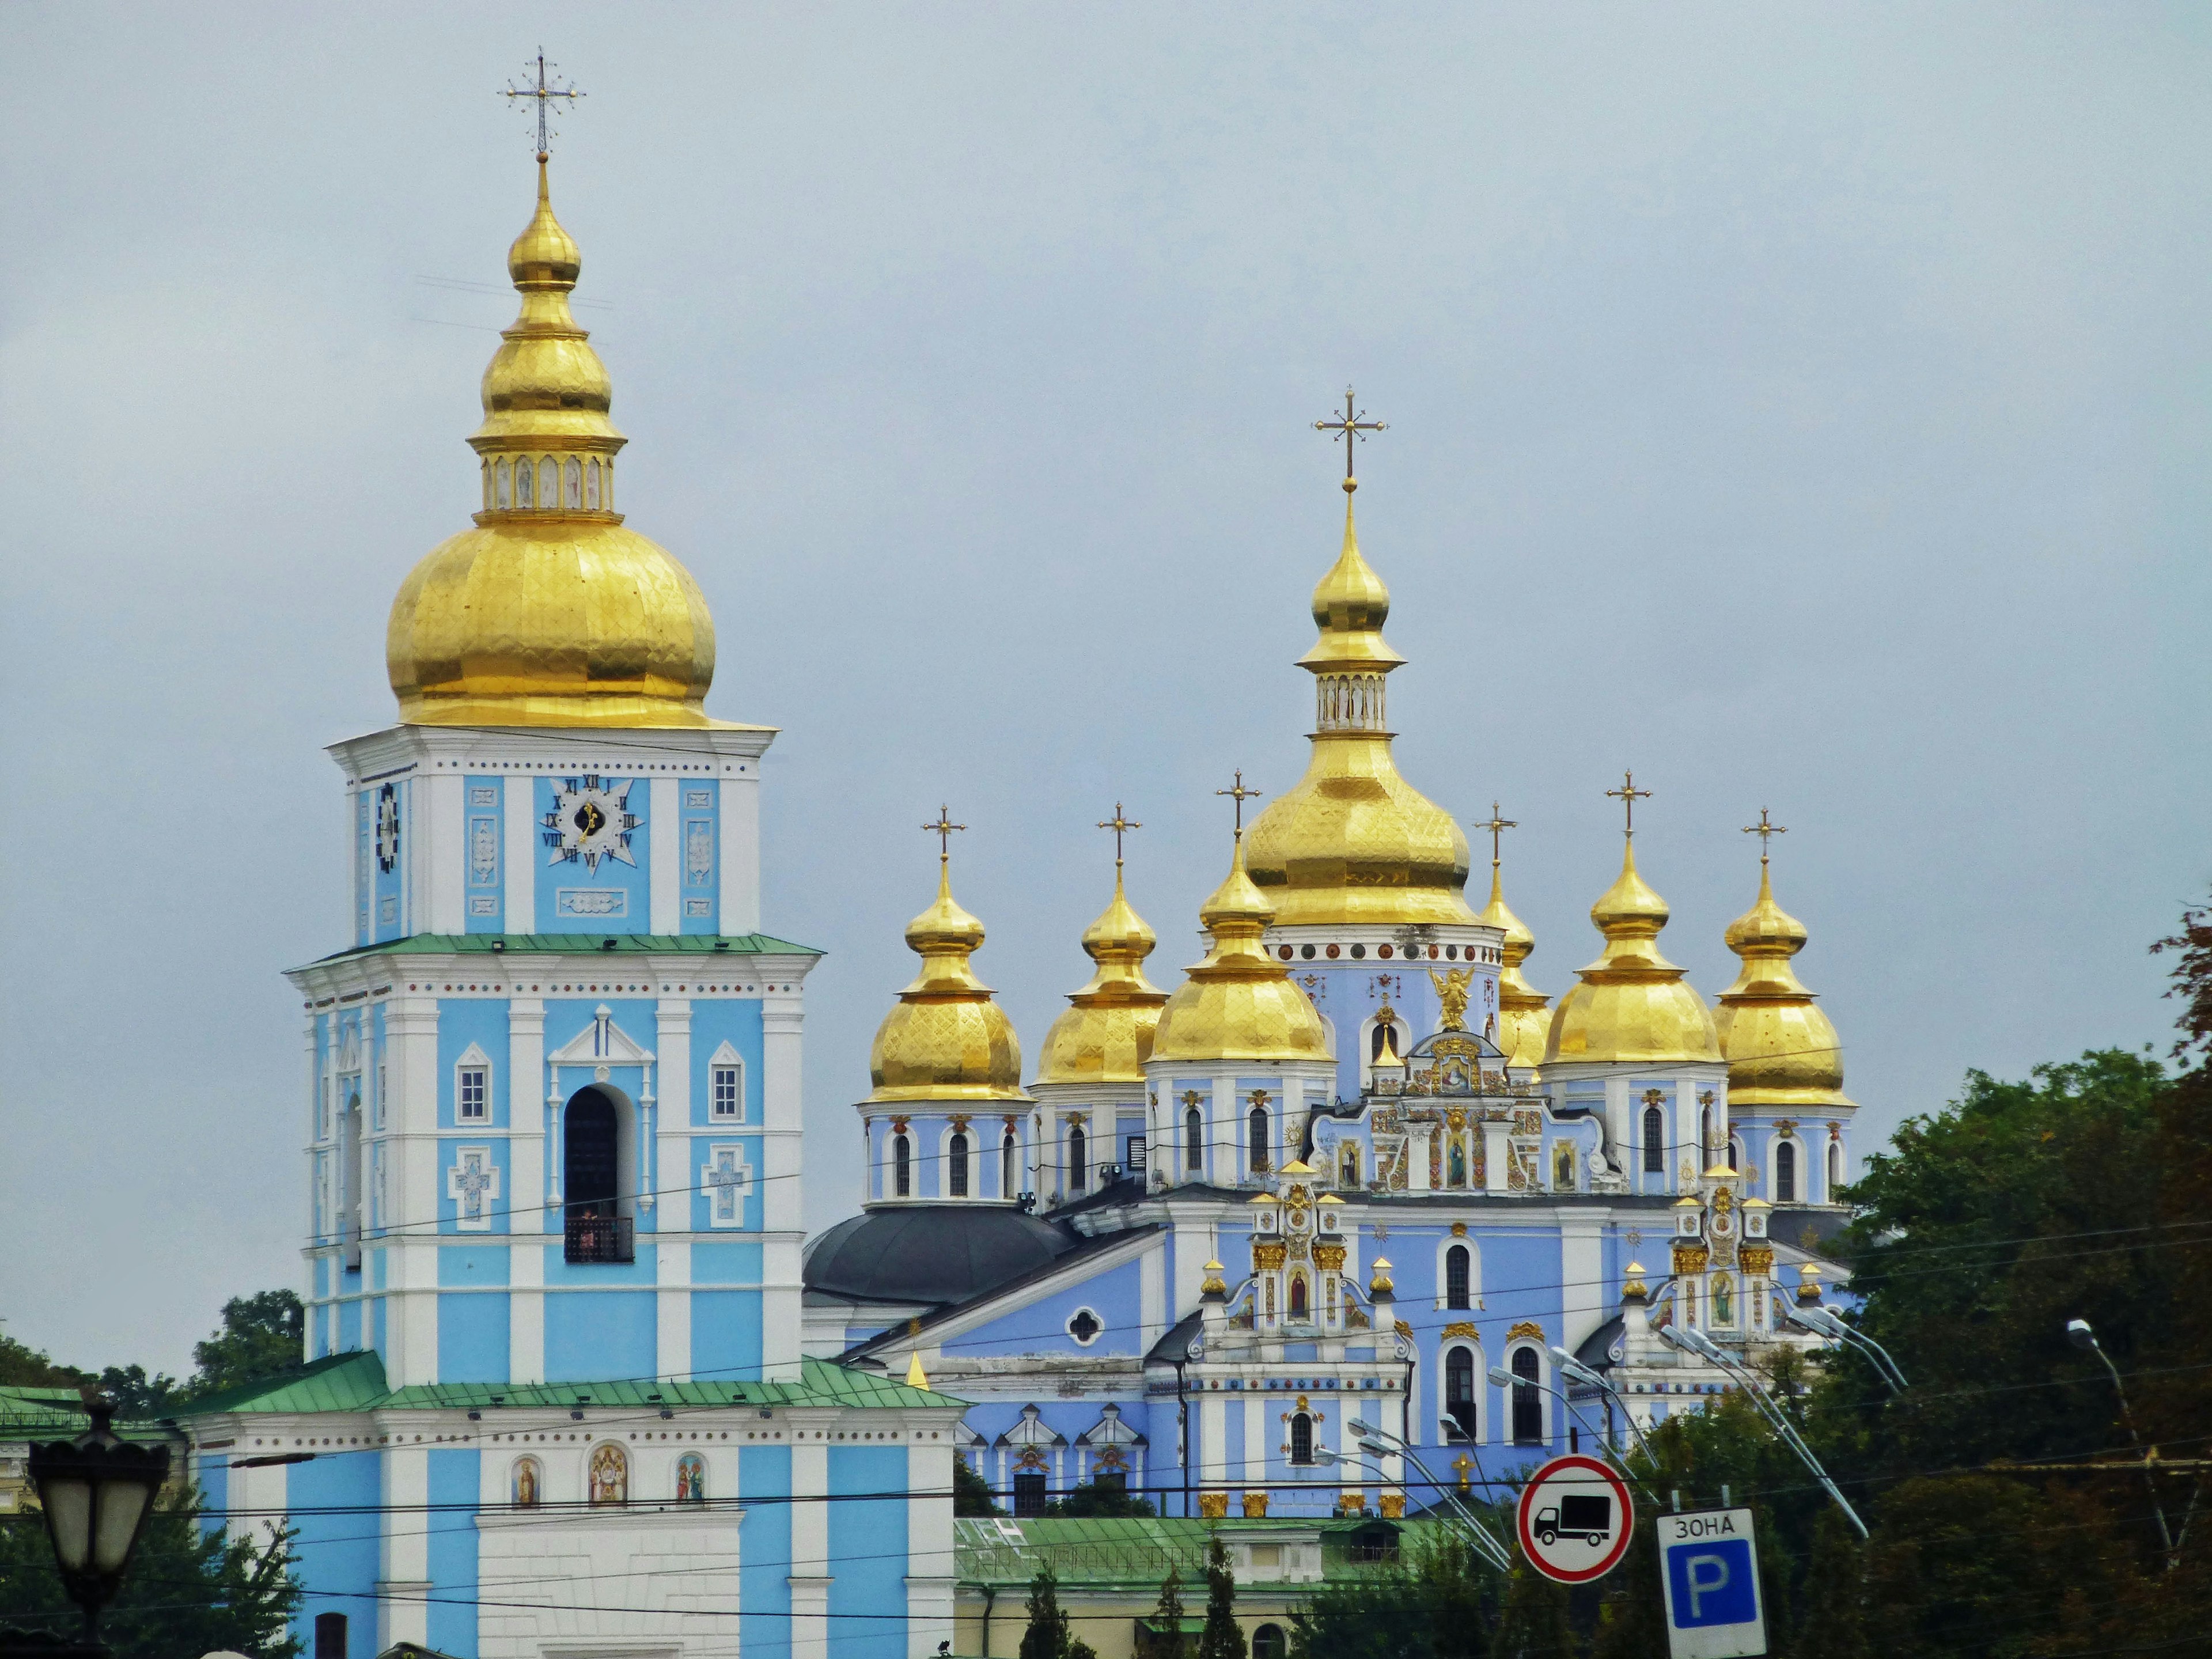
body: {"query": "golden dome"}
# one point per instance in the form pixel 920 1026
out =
pixel 946 1039
pixel 1524 1013
pixel 1353 842
pixel 1239 1003
pixel 1106 1036
pixel 1781 1051
pixel 548 611
pixel 1631 1004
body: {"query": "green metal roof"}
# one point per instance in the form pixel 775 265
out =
pixel 1134 1552
pixel 57 1414
pixel 576 945
pixel 354 1383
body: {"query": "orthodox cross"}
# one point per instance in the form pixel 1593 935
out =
pixel 1240 794
pixel 469 1181
pixel 727 1181
pixel 1496 826
pixel 1461 1465
pixel 543 93
pixel 1628 794
pixel 1352 430
pixel 1120 823
pixel 943 829
pixel 1766 832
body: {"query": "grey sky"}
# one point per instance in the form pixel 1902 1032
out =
pixel 1804 406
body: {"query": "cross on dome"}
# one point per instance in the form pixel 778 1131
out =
pixel 1628 794
pixel 1120 823
pixel 943 829
pixel 1351 429
pixel 1497 825
pixel 1240 794
pixel 1765 831
pixel 544 93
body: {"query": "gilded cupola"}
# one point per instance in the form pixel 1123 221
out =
pixel 1781 1051
pixel 1524 1013
pixel 1353 842
pixel 1106 1035
pixel 549 612
pixel 1239 1003
pixel 1631 1004
pixel 946 1039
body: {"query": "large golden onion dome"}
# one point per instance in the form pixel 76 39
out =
pixel 1239 1003
pixel 945 1039
pixel 1524 1013
pixel 1353 842
pixel 549 612
pixel 1781 1051
pixel 1106 1036
pixel 1631 1004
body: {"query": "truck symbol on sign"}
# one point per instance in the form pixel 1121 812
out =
pixel 1589 1519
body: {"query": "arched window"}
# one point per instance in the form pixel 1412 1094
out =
pixel 1786 1172
pixel 607 485
pixel 330 1636
pixel 590 1179
pixel 1527 1402
pixel 1269 1642
pixel 1458 1390
pixel 1348 1166
pixel 691 1479
pixel 1078 1157
pixel 1298 1304
pixel 592 484
pixel 901 1167
pixel 1654 1141
pixel 1007 1152
pixel 1301 1437
pixel 487 483
pixel 525 477
pixel 1260 1133
pixel 1193 1143
pixel 572 484
pixel 1455 1277
pixel 501 484
pixel 1835 1170
pixel 548 483
pixel 956 1168
pixel 527 1483
pixel 1704 1138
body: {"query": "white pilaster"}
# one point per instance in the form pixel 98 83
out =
pixel 519 817
pixel 406 1549
pixel 740 870
pixel 664 869
pixel 929 1568
pixel 674 1177
pixel 674 1324
pixel 526 1317
pixel 1496 1156
pixel 443 814
pixel 525 1115
pixel 1584 1302
pixel 810 1543
pixel 410 1029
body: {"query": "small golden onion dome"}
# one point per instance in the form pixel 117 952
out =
pixel 1106 1036
pixel 1239 1003
pixel 1808 1283
pixel 1524 1013
pixel 1631 1004
pixel 548 611
pixel 1380 1288
pixel 1632 1288
pixel 1212 1287
pixel 945 1039
pixel 1782 1052
pixel 1353 843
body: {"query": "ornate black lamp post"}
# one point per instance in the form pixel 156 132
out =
pixel 96 1490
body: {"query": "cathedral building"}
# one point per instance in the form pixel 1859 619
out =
pixel 1356 1170
pixel 556 1398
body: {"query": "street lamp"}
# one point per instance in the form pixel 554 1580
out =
pixel 2079 1333
pixel 1822 1322
pixel 1381 1442
pixel 95 1491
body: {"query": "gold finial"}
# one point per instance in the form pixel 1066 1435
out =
pixel 943 829
pixel 1240 794
pixel 1352 430
pixel 1628 794
pixel 1120 823
pixel 1497 825
pixel 1766 832
pixel 543 93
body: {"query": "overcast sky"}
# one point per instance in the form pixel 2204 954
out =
pixel 1804 406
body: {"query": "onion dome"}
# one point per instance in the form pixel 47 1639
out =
pixel 1524 1013
pixel 549 612
pixel 1106 1036
pixel 1211 1289
pixel 1781 1051
pixel 1353 842
pixel 1381 1287
pixel 1631 1004
pixel 946 1039
pixel 1632 1288
pixel 1239 1003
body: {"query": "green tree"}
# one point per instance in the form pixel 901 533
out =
pixel 192 1589
pixel 22 1366
pixel 1439 1602
pixel 1831 1624
pixel 259 1336
pixel 1046 1636
pixel 1097 1501
pixel 1166 1641
pixel 971 1493
pixel 1222 1639
pixel 1532 1624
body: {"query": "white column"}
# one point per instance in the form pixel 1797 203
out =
pixel 1228 1136
pixel 405 1565
pixel 519 818
pixel 1496 1155
pixel 782 1021
pixel 1585 1301
pixel 664 870
pixel 929 1567
pixel 411 1031
pixel 1620 1124
pixel 443 815
pixel 525 1114
pixel 673 1325
pixel 1685 1128
pixel 810 1540
pixel 673 1175
pixel 525 1303
pixel 1256 1438
pixel 740 871
pixel 1209 1457
pixel 1152 1295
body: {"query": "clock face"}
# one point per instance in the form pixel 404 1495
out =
pixel 387 828
pixel 591 820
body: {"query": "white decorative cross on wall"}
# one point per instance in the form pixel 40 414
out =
pixel 728 1179
pixel 473 1179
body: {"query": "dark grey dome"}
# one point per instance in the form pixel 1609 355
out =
pixel 930 1253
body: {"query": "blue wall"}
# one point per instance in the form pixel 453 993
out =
pixel 483 850
pixel 699 839
pixel 765 1566
pixel 867 1552
pixel 594 1336
pixel 725 1335
pixel 452 1547
pixel 333 1502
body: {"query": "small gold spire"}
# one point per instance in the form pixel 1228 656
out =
pixel 1380 1287
pixel 1632 1287
pixel 1212 1284
pixel 915 1377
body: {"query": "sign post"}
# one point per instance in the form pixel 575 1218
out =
pixel 1574 1519
pixel 1708 1567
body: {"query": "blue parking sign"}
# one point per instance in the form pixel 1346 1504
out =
pixel 1708 1568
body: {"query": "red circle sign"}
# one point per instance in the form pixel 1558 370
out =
pixel 1574 1519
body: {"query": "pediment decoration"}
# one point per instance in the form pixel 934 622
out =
pixel 602 1042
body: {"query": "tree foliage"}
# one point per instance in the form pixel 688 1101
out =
pixel 1166 1640
pixel 1222 1639
pixel 1100 1501
pixel 971 1493
pixel 1439 1602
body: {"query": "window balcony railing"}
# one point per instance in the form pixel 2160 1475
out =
pixel 589 1236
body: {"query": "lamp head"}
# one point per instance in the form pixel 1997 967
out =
pixel 2079 1333
pixel 1502 1377
pixel 1362 1426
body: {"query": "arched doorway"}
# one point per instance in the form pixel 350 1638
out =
pixel 590 1179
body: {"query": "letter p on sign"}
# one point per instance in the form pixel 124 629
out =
pixel 1708 1566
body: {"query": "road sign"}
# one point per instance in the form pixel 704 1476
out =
pixel 1574 1520
pixel 1709 1565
